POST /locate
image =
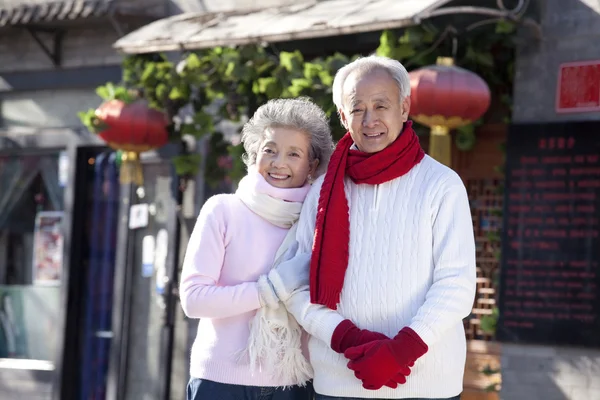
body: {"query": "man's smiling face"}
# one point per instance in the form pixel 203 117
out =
pixel 372 110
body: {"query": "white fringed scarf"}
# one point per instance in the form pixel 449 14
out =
pixel 275 341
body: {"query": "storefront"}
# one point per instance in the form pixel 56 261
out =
pixel 45 181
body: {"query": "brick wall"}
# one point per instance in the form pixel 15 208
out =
pixel 571 32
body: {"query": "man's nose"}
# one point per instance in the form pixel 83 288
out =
pixel 370 119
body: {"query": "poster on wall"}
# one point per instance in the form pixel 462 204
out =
pixel 48 241
pixel 550 273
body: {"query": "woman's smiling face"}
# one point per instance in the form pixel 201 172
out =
pixel 284 157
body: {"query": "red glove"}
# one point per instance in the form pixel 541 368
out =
pixel 347 335
pixel 375 363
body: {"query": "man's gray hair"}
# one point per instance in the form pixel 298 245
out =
pixel 301 114
pixel 365 65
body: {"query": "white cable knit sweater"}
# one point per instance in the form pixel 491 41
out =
pixel 412 263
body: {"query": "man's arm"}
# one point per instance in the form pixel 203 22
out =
pixel 450 297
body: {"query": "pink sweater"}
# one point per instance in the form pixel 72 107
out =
pixel 229 249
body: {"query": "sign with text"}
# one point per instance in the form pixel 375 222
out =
pixel 578 88
pixel 550 275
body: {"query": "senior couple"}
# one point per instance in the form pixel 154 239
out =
pixel 333 273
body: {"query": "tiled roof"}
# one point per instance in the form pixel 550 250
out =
pixel 18 12
pixel 304 19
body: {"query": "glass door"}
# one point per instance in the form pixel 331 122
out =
pixel 31 251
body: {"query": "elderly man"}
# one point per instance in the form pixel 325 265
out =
pixel 392 272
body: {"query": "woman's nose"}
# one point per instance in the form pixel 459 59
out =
pixel 277 160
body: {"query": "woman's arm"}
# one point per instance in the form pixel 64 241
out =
pixel 200 294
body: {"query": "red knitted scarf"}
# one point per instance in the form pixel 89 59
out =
pixel 332 230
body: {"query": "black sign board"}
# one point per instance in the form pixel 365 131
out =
pixel 550 275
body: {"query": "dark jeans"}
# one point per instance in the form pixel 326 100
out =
pixel 199 389
pixel 323 397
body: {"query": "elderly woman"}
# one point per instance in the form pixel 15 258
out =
pixel 392 273
pixel 233 247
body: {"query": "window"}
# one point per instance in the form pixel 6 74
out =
pixel 31 204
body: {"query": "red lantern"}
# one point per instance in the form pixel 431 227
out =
pixel 445 97
pixel 132 128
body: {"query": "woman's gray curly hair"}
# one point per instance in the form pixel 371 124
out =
pixel 301 114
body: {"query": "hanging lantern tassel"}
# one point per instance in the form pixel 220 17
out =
pixel 132 129
pixel 131 169
pixel 440 144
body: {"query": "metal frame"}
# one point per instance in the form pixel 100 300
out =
pixel 122 292
pixel 68 357
pixel 54 53
pixel 123 289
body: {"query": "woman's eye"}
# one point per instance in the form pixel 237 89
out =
pixel 294 154
pixel 356 110
pixel 268 151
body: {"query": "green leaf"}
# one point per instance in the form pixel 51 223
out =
pixel 192 62
pixel 238 169
pixel 492 387
pixel 187 165
pixel 387 44
pixel 179 93
pixel 106 92
pixel 149 74
pixel 335 62
pixel 412 36
pixel 505 27
pixel 269 86
pixel 90 121
pixel 489 371
pixel 291 61
pixel 483 58
pixel 312 70
pixel 493 237
pixel 298 86
pixel 326 78
pixel 489 322
pixel 202 123
pixel 229 72
pixel 465 138
pixel 123 94
pixel 161 91
pixel 404 51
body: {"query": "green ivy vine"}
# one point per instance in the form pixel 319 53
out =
pixel 207 87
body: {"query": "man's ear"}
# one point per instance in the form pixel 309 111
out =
pixel 405 108
pixel 343 119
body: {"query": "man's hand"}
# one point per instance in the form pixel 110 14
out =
pixel 347 335
pixel 376 363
